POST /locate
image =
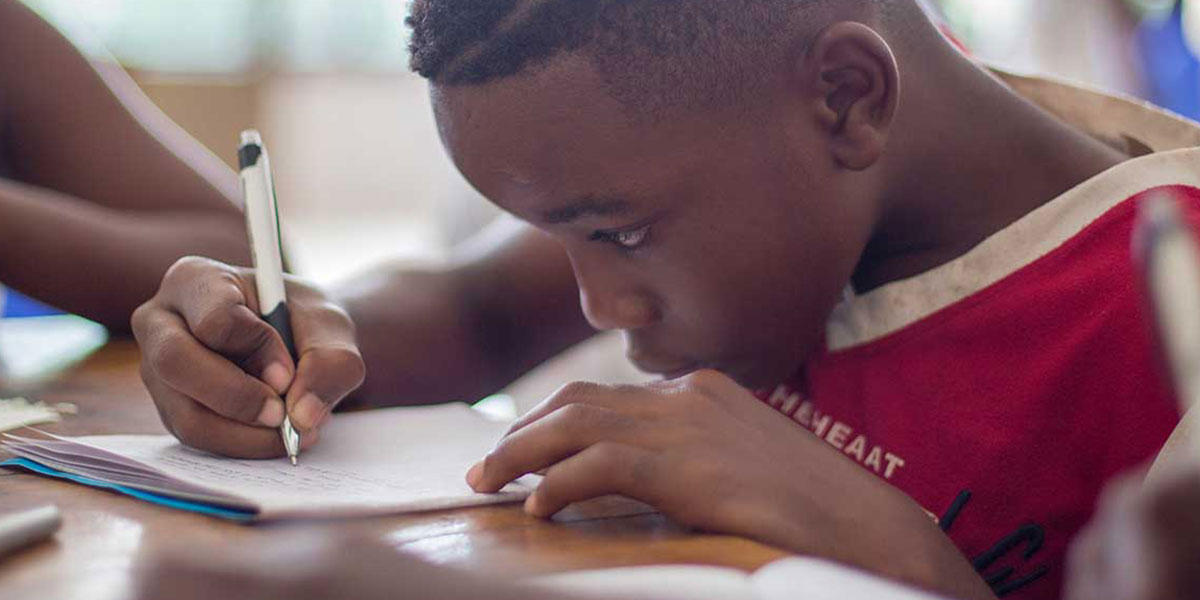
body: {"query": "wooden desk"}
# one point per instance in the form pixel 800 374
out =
pixel 103 533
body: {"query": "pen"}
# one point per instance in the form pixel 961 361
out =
pixel 22 529
pixel 262 224
pixel 1169 256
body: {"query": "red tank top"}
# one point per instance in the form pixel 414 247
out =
pixel 1005 412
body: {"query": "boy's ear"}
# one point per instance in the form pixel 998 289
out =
pixel 855 87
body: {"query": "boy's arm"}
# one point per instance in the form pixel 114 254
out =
pixel 508 304
pixel 113 192
pixel 218 373
pixel 707 453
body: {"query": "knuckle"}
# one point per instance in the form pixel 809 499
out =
pixel 217 328
pixel 573 392
pixel 334 316
pixel 496 462
pixel 183 265
pixel 168 356
pixel 576 413
pixel 345 363
pixel 140 319
pixel 185 268
pixel 639 470
pixel 609 461
pixel 609 455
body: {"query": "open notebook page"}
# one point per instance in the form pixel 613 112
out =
pixel 382 461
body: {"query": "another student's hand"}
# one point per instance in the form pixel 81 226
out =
pixel 218 372
pixel 1144 542
pixel 707 453
pixel 307 566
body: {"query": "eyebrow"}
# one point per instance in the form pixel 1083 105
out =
pixel 587 206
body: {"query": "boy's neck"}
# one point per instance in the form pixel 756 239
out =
pixel 971 158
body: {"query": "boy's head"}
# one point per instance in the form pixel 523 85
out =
pixel 713 168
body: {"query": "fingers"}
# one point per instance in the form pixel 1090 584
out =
pixel 218 303
pixel 612 396
pixel 330 366
pixel 548 441
pixel 181 363
pixel 208 357
pixel 603 469
pixel 203 429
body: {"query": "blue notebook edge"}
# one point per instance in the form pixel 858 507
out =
pixel 160 499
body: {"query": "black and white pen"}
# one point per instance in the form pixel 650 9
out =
pixel 262 224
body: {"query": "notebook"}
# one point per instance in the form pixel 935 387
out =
pixel 790 578
pixel 376 462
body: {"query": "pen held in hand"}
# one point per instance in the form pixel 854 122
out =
pixel 262 224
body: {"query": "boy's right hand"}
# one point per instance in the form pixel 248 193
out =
pixel 219 374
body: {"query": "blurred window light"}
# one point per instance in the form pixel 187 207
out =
pixel 232 36
pixel 1152 9
pixel 1191 25
pixel 992 28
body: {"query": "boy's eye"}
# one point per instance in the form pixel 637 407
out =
pixel 628 239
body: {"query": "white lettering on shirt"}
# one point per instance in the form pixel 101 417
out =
pixel 835 433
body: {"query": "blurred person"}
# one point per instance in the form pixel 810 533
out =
pixel 99 192
pixel 1144 543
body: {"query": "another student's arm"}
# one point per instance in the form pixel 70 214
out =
pixel 217 372
pixel 1144 541
pixel 105 192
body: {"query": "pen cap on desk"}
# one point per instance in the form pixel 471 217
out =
pixel 23 529
pixel 1168 256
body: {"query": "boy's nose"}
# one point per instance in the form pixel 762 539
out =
pixel 624 311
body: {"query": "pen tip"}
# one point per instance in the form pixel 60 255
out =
pixel 293 460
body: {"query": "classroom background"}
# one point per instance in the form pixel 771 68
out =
pixel 359 171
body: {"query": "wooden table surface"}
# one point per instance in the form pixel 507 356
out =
pixel 104 533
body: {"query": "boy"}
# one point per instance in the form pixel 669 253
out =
pixel 98 193
pixel 716 174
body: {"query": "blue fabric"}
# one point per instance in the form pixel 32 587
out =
pixel 16 305
pixel 197 507
pixel 1172 72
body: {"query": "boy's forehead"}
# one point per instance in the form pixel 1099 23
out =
pixel 567 87
pixel 548 135
pixel 546 143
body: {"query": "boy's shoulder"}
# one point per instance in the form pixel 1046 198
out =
pixel 1165 151
pixel 1133 126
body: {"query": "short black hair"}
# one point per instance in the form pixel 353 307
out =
pixel 663 52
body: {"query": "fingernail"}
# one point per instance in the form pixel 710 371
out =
pixel 474 474
pixel 308 411
pixel 277 376
pixel 271 414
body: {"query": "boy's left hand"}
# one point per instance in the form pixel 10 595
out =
pixel 708 454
